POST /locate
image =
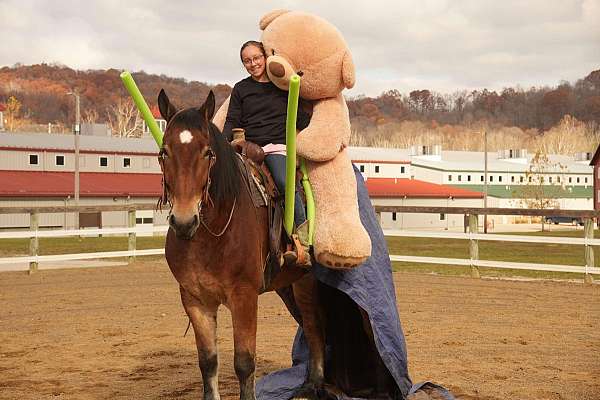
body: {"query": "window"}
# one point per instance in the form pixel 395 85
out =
pixel 104 161
pixel 460 178
pixel 481 178
pixel 530 179
pixel 512 178
pixel 550 179
pixel 468 178
pixel 558 179
pixel 138 220
pixel 147 163
pixel 147 220
pixel 377 169
pixel 362 168
pixel 393 216
pixel 577 179
pixel 500 178
pixel 491 178
pixel 34 159
pixel 585 179
pixel 521 179
pixel 449 178
pixel 570 179
pixel 402 169
pixel 59 160
pixel 126 162
pixel 442 217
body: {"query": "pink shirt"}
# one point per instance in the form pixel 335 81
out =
pixel 274 149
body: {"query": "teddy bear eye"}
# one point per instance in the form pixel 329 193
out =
pixel 272 52
pixel 299 73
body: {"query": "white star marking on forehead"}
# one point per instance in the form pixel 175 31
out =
pixel 185 136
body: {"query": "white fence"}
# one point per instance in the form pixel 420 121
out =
pixel 472 236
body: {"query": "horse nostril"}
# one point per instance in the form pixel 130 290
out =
pixel 196 219
pixel 172 219
pixel 277 69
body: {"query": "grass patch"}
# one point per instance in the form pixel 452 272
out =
pixel 70 245
pixel 538 253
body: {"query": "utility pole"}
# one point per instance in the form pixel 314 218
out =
pixel 485 178
pixel 76 132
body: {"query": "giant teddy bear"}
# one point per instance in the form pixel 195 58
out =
pixel 307 45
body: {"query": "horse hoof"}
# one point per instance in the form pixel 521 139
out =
pixel 306 393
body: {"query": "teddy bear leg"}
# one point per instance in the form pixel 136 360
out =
pixel 341 242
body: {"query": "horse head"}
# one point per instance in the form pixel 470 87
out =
pixel 186 159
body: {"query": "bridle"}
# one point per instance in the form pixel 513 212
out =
pixel 204 199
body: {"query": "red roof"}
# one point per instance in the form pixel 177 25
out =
pixel 393 187
pixel 91 184
pixel 112 184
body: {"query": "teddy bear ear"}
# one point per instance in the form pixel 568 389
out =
pixel 348 75
pixel 268 18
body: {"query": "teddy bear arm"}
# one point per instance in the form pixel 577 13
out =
pixel 324 137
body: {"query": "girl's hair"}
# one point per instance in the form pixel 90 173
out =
pixel 255 44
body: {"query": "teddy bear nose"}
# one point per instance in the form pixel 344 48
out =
pixel 277 69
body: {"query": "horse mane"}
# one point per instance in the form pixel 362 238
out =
pixel 225 175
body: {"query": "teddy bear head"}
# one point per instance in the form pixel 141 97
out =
pixel 307 45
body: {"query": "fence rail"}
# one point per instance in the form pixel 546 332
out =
pixel 473 236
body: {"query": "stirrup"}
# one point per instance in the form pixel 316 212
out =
pixel 301 253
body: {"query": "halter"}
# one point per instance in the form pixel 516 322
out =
pixel 204 199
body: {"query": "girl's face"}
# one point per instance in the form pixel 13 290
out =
pixel 254 61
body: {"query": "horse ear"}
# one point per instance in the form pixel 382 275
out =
pixel 167 110
pixel 208 107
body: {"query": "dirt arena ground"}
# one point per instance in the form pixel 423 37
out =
pixel 117 333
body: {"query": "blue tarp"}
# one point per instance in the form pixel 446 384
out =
pixel 371 287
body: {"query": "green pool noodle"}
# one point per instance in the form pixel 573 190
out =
pixel 310 202
pixel 141 105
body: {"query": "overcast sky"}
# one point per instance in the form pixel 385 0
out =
pixel 405 45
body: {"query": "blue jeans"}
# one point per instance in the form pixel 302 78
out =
pixel 276 164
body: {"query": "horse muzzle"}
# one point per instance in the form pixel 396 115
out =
pixel 184 228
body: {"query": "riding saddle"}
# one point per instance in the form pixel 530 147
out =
pixel 264 193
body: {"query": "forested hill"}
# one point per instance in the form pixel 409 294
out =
pixel 41 90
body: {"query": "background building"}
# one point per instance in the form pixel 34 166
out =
pixel 38 170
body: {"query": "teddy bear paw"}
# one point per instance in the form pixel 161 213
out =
pixel 335 261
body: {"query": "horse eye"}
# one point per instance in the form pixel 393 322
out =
pixel 163 154
pixel 272 52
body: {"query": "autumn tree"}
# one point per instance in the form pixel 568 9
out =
pixel 13 111
pixel 540 191
pixel 124 119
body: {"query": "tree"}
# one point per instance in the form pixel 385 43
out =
pixel 540 191
pixel 124 119
pixel 90 116
pixel 13 110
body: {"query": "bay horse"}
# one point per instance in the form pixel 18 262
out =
pixel 217 247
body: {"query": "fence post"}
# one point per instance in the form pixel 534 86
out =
pixel 474 244
pixel 589 250
pixel 132 237
pixel 34 223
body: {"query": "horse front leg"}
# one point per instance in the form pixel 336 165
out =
pixel 243 304
pixel 204 321
pixel 306 296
